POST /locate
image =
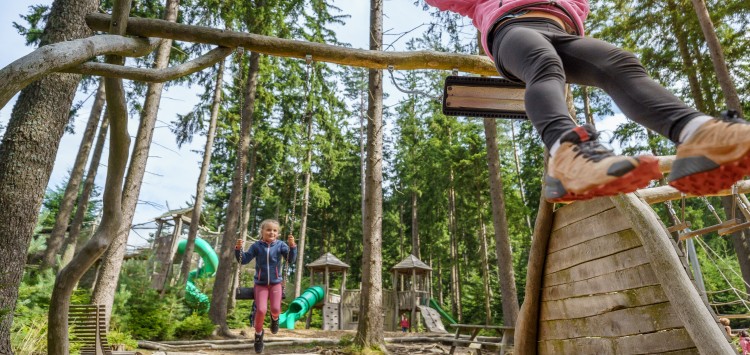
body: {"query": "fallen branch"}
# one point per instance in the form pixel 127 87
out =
pixel 58 56
pixel 153 75
pixel 299 49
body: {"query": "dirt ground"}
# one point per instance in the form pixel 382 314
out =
pixel 406 348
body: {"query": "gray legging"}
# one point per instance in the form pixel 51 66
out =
pixel 541 54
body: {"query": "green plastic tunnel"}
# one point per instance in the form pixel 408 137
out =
pixel 194 297
pixel 300 305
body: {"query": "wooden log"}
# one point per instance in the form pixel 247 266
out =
pixel 528 317
pixel 681 292
pixel 299 49
pixel 668 193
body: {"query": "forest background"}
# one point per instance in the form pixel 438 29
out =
pixel 436 191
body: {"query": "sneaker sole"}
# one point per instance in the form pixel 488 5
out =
pixel 646 171
pixel 712 181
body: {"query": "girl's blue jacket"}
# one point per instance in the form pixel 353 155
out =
pixel 267 260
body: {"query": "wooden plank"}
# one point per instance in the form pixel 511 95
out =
pixel 577 211
pixel 593 249
pixel 598 346
pixel 672 342
pixel 666 341
pixel 624 322
pixel 639 276
pixel 616 262
pixel 607 222
pixel 587 306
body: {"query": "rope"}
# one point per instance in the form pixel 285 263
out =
pixel 734 290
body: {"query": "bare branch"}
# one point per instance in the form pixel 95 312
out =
pixel 55 57
pixel 153 75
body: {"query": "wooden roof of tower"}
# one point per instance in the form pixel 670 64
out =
pixel 411 262
pixel 333 263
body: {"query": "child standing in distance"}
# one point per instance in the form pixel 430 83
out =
pixel 267 252
pixel 542 44
pixel 744 343
pixel 404 323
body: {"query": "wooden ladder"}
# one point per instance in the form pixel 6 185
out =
pixel 90 328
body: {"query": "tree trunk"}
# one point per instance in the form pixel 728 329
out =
pixel 200 188
pixel 485 263
pixel 682 43
pixel 109 270
pixel 71 243
pixel 370 327
pixel 502 239
pixel 219 296
pixel 67 278
pixel 717 57
pixel 517 162
pixel 414 225
pixel 67 203
pixel 237 267
pixel 453 226
pixel 27 155
pixel 305 204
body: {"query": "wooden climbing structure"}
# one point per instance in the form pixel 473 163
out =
pixel 605 277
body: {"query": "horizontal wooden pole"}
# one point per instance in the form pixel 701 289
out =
pixel 668 193
pixel 299 49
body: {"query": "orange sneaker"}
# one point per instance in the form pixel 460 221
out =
pixel 582 169
pixel 716 156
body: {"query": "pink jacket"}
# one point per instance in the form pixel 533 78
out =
pixel 484 13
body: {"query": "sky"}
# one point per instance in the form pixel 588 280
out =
pixel 172 173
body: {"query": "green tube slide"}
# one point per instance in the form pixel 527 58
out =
pixel 300 306
pixel 440 310
pixel 196 299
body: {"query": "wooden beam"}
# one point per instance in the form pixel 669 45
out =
pixel 299 49
pixel 668 193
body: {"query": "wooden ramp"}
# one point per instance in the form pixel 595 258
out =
pixel 432 319
pixel 601 292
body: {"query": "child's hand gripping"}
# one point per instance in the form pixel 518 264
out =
pixel 238 246
pixel 290 241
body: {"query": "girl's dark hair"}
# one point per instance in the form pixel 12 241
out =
pixel 743 334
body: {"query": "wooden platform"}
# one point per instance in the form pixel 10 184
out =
pixel 600 294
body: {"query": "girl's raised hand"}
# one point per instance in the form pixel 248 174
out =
pixel 290 241
pixel 238 246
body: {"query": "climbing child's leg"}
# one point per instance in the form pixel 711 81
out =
pixel 712 153
pixel 579 167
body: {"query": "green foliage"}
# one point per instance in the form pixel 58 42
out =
pixel 36 19
pixel 195 326
pixel 115 337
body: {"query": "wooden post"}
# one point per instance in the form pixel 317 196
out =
pixel 685 300
pixel 176 233
pixel 341 302
pixel 525 337
pixel 327 297
pixel 309 313
pixel 396 315
pixel 413 298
